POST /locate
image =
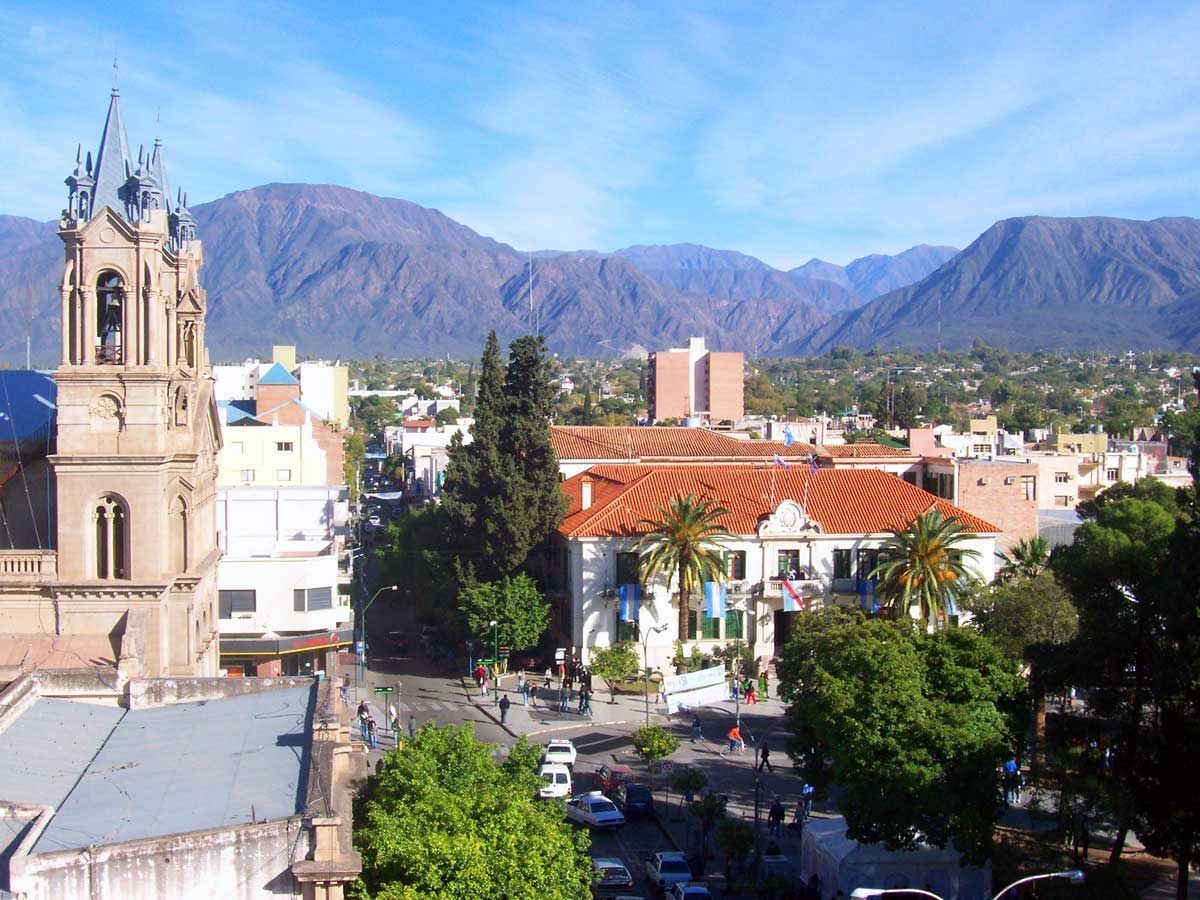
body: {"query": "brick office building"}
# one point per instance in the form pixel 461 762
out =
pixel 695 382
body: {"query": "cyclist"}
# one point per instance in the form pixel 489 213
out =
pixel 735 740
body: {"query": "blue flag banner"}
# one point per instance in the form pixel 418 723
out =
pixel 812 463
pixel 630 609
pixel 779 462
pixel 788 437
pixel 951 609
pixel 714 599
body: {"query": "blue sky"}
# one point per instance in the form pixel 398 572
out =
pixel 786 131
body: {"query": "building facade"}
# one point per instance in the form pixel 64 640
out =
pixel 132 566
pixel 695 382
pixel 821 533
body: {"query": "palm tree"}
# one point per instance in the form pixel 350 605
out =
pixel 1027 560
pixel 681 544
pixel 922 565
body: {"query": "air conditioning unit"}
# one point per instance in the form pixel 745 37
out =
pixel 243 615
pixel 1011 479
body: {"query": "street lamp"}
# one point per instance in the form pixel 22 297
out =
pixel 657 629
pixel 495 661
pixel 362 626
pixel 1075 876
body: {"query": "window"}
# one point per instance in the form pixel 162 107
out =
pixel 941 484
pixel 910 477
pixel 1063 501
pixel 627 569
pixel 1028 487
pixel 735 565
pixel 231 602
pixel 841 564
pixel 867 561
pixel 627 631
pixel 702 627
pixel 110 295
pixel 283 446
pixel 112 531
pixel 179 535
pixel 238 446
pixel 734 625
pixel 789 563
pixel 981 449
pixel 1061 477
pixel 283 474
pixel 312 599
pixel 1113 475
pixel 247 474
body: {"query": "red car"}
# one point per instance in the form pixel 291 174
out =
pixel 608 777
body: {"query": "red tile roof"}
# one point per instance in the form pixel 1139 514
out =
pixel 842 501
pixel 628 442
pixel 865 451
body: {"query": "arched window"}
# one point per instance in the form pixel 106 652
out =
pixel 179 535
pixel 112 538
pixel 110 298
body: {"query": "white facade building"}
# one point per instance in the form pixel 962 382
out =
pixel 825 528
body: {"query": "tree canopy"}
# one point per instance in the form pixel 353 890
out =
pixel 616 662
pixel 514 603
pixel 922 565
pixel 442 818
pixel 915 723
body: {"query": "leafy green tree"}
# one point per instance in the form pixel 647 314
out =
pixel 354 452
pixel 443 819
pixel 736 838
pixel 368 415
pixel 922 565
pixel 682 545
pixel 615 663
pixel 514 603
pixel 915 724
pixel 447 416
pixel 413 555
pixel 653 742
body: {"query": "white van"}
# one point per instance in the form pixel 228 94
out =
pixel 556 780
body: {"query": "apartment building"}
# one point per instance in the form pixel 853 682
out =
pixel 694 382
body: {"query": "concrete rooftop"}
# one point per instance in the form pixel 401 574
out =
pixel 119 775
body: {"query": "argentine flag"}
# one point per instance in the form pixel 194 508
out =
pixel 630 605
pixel 714 599
pixel 788 437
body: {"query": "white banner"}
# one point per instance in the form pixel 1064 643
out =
pixel 693 680
pixel 705 696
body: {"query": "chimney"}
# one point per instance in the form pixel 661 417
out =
pixel 586 484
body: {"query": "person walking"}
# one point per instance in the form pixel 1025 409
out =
pixel 696 733
pixel 762 685
pixel 483 686
pixel 524 688
pixel 372 738
pixel 504 705
pixel 362 722
pixel 585 702
pixel 764 758
pixel 733 689
pixel 775 818
pixel 532 689
pixel 412 726
pixel 480 671
pixel 564 700
pixel 806 794
pixel 547 678
pixel 521 680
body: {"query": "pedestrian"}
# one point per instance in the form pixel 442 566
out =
pixel 372 739
pixel 764 758
pixel 733 689
pixel 775 818
pixel 524 688
pixel 396 726
pixel 504 704
pixel 762 685
pixel 585 702
pixel 521 680
pixel 662 693
pixel 412 726
pixel 483 686
pixel 362 723
pixel 564 700
pixel 1010 780
pixel 546 678
pixel 696 734
pixel 734 736
pixel 345 690
pixel 532 689
pixel 748 688
pixel 480 671
pixel 362 708
pixel 806 793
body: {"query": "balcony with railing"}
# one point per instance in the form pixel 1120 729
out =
pixel 28 566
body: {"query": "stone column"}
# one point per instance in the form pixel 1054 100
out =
pixel 87 327
pixel 66 325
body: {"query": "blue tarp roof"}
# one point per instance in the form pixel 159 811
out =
pixel 277 374
pixel 27 406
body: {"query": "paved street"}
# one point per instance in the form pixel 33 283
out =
pixel 431 691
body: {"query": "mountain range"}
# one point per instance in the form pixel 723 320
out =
pixel 344 273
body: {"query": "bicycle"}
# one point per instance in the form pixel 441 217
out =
pixel 740 747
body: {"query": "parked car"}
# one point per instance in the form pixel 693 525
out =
pixel 611 877
pixel 556 780
pixel 400 641
pixel 689 891
pixel 559 750
pixel 634 799
pixel 594 810
pixel 668 868
pixel 608 777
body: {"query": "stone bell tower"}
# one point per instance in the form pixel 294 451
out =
pixel 137 435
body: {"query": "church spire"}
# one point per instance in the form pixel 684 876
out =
pixel 112 159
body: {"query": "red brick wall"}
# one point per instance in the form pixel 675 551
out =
pixel 997 502
pixel 726 386
pixel 669 385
